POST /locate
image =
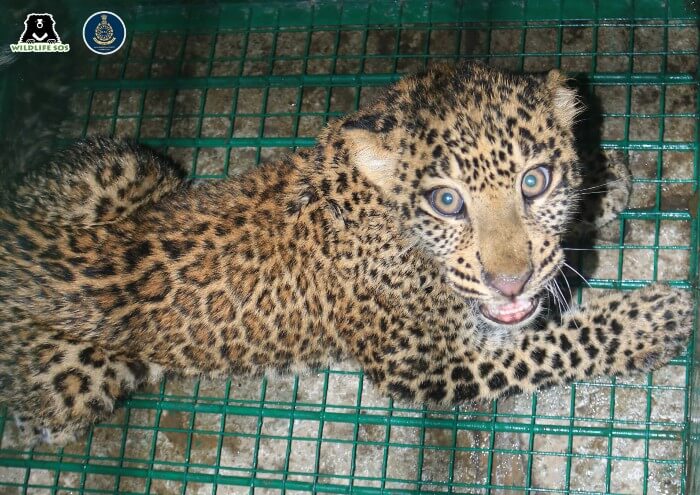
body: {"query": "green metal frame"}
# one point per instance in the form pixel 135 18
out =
pixel 137 70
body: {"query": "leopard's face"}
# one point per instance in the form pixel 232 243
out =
pixel 481 168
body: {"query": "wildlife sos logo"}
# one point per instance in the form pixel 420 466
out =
pixel 104 32
pixel 40 35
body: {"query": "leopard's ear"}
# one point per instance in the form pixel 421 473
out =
pixel 368 140
pixel 567 105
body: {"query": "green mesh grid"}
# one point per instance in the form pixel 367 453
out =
pixel 223 86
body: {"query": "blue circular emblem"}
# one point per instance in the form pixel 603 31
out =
pixel 104 32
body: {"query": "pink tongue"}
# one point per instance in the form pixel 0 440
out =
pixel 510 312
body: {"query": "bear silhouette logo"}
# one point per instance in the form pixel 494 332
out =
pixel 39 35
pixel 39 28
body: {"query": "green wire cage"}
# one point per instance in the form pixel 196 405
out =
pixel 222 86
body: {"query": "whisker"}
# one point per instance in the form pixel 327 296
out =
pixel 563 299
pixel 557 299
pixel 571 293
pixel 598 242
pixel 574 320
pixel 604 184
pixel 590 193
pixel 556 290
pixel 554 296
pixel 548 307
pixel 577 273
pixel 564 302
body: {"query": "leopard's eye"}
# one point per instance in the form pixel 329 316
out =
pixel 446 201
pixel 535 182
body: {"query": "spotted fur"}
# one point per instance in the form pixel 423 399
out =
pixel 332 253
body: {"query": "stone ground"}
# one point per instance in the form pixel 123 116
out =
pixel 178 113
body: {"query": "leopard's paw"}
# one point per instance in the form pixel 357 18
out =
pixel 605 193
pixel 32 432
pixel 656 323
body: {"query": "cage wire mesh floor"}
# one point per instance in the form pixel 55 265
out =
pixel 223 86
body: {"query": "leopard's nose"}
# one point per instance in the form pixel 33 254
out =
pixel 508 285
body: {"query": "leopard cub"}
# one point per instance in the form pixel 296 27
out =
pixel 417 237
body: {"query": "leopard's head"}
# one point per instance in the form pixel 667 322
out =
pixel 480 166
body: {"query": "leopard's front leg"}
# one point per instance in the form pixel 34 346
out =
pixel 614 333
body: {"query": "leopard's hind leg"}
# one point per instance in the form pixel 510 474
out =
pixel 96 181
pixel 55 386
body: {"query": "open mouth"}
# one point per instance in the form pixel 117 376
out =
pixel 510 313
